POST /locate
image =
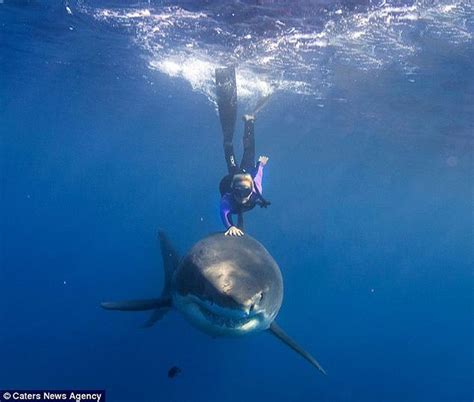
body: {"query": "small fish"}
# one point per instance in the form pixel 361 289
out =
pixel 173 371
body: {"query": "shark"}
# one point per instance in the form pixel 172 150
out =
pixel 224 286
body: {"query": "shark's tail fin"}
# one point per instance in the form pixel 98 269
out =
pixel 161 305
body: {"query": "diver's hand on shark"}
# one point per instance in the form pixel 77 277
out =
pixel 234 231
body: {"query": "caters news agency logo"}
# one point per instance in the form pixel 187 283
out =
pixel 46 396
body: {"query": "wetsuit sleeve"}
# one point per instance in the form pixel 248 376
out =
pixel 258 178
pixel 225 212
pixel 240 221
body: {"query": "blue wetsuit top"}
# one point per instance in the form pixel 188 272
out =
pixel 230 206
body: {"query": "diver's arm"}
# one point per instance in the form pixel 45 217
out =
pixel 262 161
pixel 240 221
pixel 226 217
pixel 258 178
pixel 225 213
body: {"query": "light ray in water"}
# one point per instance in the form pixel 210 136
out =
pixel 294 49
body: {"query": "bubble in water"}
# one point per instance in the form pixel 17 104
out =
pixel 452 161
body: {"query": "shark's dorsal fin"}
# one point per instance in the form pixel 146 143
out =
pixel 280 334
pixel 170 262
pixel 163 304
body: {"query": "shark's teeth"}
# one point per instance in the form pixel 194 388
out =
pixel 230 322
pixel 220 321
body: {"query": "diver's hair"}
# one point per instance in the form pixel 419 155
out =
pixel 241 177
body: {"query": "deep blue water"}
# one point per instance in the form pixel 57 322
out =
pixel 109 132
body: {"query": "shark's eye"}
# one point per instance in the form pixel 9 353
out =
pixel 261 296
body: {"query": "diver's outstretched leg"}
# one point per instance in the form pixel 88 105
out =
pixel 248 158
pixel 226 91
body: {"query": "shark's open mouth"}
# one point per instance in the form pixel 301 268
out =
pixel 219 320
pixel 225 320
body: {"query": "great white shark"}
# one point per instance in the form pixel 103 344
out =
pixel 225 286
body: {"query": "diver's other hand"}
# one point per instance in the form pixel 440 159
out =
pixel 234 231
pixel 263 160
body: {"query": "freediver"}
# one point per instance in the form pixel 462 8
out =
pixel 241 188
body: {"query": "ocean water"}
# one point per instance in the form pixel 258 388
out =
pixel 109 131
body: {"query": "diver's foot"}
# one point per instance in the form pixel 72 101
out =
pixel 248 117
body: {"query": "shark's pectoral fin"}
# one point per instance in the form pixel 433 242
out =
pixel 157 315
pixel 160 306
pixel 138 305
pixel 280 334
